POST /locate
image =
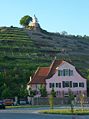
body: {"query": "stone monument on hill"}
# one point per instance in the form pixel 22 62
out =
pixel 34 25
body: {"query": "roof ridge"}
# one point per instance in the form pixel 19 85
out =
pixel 44 67
pixel 36 72
pixel 51 65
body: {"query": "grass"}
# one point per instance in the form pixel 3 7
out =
pixel 24 106
pixel 53 111
pixel 24 52
pixel 65 112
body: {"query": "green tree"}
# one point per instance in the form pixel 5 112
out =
pixel 82 97
pixel 64 33
pixel 24 21
pixel 71 100
pixel 87 73
pixel 51 98
pixel 43 91
pixel 31 92
pixel 6 92
pixel 53 93
pixel 23 92
pixel 51 101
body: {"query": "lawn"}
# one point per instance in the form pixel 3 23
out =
pixel 66 111
pixel 25 106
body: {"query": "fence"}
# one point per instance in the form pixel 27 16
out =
pixel 57 101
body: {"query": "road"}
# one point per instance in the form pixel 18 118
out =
pixel 27 113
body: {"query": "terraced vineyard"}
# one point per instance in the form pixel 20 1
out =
pixel 22 51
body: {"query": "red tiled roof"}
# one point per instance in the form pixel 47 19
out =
pixel 43 73
pixel 39 76
pixel 53 67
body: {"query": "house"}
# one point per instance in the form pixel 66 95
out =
pixel 61 76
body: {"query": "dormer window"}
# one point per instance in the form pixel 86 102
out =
pixel 65 72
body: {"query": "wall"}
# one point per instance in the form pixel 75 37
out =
pixel 58 79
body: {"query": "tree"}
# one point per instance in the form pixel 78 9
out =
pixel 51 98
pixel 71 99
pixel 53 93
pixel 6 92
pixel 23 92
pixel 24 21
pixel 51 101
pixel 64 33
pixel 43 91
pixel 82 97
pixel 31 92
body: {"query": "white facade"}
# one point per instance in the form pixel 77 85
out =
pixel 69 78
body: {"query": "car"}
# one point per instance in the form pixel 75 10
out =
pixel 22 102
pixel 2 106
pixel 8 102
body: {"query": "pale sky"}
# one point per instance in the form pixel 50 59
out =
pixel 53 15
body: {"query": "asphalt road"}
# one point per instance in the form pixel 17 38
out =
pixel 37 116
pixel 27 113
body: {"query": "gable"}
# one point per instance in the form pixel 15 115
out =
pixel 65 65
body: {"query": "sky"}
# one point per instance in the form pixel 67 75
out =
pixel 53 15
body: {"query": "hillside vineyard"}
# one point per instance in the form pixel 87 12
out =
pixel 23 50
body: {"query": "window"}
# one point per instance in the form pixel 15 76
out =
pixel 67 84
pixel 65 72
pixel 70 84
pixel 75 85
pixel 81 84
pixel 70 72
pixel 59 85
pixel 60 72
pixel 51 85
pixel 56 84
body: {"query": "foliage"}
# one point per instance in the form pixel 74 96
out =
pixel 24 21
pixel 53 93
pixel 32 93
pixel 20 55
pixel 64 33
pixel 6 92
pixel 51 98
pixel 23 92
pixel 43 91
pixel 71 100
pixel 51 101
pixel 82 97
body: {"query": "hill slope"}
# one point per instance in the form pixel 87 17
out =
pixel 71 48
pixel 22 51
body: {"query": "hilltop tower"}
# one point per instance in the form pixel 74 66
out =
pixel 34 25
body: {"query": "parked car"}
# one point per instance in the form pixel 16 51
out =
pixel 8 102
pixel 22 102
pixel 2 106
